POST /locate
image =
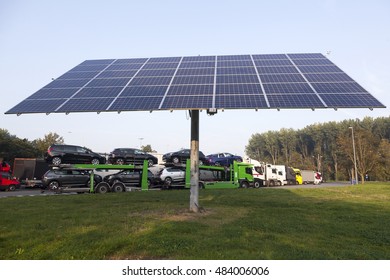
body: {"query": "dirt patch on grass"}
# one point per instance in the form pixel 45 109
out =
pixel 173 215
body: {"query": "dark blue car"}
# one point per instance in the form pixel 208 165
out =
pixel 223 159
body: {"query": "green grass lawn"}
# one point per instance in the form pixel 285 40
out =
pixel 350 222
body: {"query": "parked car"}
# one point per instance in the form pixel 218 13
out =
pixel 131 178
pixel 181 157
pixel 130 156
pixel 171 175
pixel 7 182
pixel 56 179
pixel 57 154
pixel 223 159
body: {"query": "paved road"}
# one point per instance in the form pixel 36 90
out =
pixel 37 192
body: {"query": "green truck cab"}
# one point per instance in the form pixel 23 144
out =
pixel 238 175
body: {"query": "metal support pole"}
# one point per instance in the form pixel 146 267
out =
pixel 194 196
pixel 354 156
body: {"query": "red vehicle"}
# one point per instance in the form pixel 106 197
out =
pixel 7 183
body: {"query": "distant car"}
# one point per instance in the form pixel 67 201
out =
pixel 58 154
pixel 181 157
pixel 56 179
pixel 131 178
pixel 130 156
pixel 223 159
pixel 171 175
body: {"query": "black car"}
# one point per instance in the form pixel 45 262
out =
pixel 57 179
pixel 131 177
pixel 130 156
pixel 182 156
pixel 57 154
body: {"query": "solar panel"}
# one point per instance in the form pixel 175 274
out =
pixel 305 80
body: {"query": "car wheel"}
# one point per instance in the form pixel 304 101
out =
pixel 11 188
pixel 201 185
pixel 176 160
pixel 118 187
pixel 120 161
pixel 200 162
pixel 102 187
pixel 54 186
pixel 56 161
pixel 217 163
pixel 168 181
pixel 150 163
pixel 95 161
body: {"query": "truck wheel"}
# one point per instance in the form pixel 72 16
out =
pixel 56 161
pixel 176 160
pixel 11 188
pixel 102 187
pixel 244 184
pixel 118 187
pixel 271 183
pixel 257 184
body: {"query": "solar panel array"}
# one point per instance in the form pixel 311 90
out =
pixel 200 82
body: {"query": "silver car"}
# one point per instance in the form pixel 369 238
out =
pixel 172 175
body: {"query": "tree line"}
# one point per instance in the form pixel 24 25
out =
pixel 328 148
pixel 12 147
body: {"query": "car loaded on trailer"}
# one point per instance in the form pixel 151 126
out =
pixel 130 156
pixel 59 154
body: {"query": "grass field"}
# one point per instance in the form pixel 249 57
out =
pixel 350 222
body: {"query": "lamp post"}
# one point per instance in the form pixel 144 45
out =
pixel 354 155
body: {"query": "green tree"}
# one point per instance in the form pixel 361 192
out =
pixel 12 147
pixel 148 149
pixel 51 138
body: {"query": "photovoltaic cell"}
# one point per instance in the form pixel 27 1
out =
pixel 98 92
pixel 81 105
pixel 50 93
pixel 287 88
pixel 237 79
pixel 279 62
pixel 136 104
pixel 238 89
pixel 191 90
pixel 113 82
pixel 303 80
pixel 240 101
pixel 187 102
pixel 144 91
pixel 351 100
pixel 295 101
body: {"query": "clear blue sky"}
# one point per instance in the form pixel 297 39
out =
pixel 41 40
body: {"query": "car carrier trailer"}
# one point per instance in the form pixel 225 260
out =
pixel 104 187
